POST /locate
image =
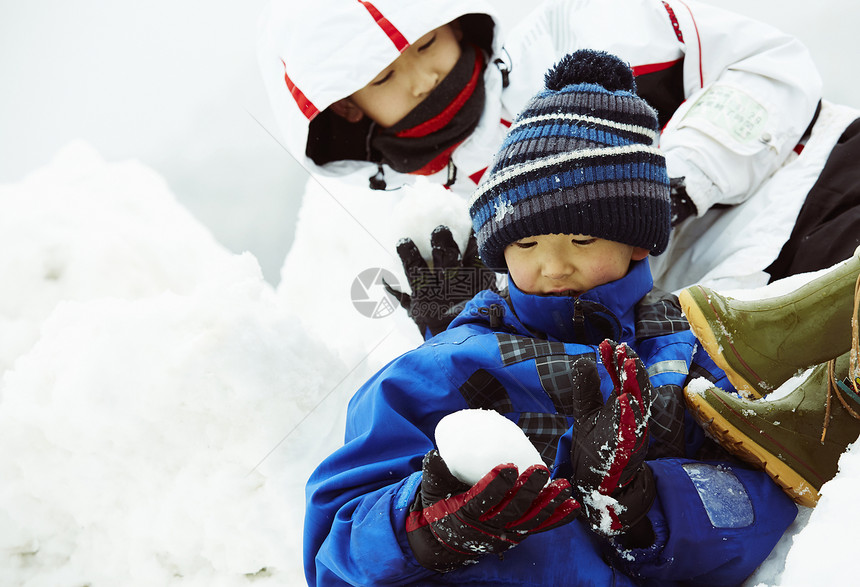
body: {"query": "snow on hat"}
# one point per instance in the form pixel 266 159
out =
pixel 581 158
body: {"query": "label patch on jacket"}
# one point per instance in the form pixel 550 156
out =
pixel 723 495
pixel 731 111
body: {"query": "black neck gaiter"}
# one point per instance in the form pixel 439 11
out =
pixel 422 141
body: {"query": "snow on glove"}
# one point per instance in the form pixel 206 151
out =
pixel 451 524
pixel 440 290
pixel 609 443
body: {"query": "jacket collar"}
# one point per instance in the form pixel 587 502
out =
pixel 607 311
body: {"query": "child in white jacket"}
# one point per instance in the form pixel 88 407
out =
pixel 745 133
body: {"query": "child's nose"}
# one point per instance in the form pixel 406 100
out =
pixel 423 81
pixel 556 267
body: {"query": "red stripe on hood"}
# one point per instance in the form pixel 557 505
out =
pixel 306 106
pixel 396 36
pixel 653 67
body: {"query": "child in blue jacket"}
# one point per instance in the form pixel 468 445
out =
pixel 575 201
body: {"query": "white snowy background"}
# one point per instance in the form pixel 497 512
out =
pixel 164 396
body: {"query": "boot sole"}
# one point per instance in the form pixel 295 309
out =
pixel 743 447
pixel 705 335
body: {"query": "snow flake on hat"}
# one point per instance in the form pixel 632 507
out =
pixel 503 208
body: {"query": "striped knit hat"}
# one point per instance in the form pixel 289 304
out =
pixel 581 158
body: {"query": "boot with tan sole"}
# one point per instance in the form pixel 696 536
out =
pixel 796 439
pixel 760 344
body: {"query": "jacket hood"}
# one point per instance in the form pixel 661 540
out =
pixel 312 54
pixel 607 311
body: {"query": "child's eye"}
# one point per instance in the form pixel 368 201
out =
pixel 583 241
pixel 384 79
pixel 525 244
pixel 427 44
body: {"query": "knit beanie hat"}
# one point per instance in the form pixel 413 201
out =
pixel 581 158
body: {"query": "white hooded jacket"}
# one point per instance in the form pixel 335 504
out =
pixel 746 97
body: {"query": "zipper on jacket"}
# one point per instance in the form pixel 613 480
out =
pixel 497 315
pixel 504 67
pixel 377 181
pixel 578 316
pixel 578 320
pixel 452 173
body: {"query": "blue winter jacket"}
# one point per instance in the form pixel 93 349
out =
pixel 715 522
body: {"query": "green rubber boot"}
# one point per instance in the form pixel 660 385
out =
pixel 761 344
pixel 783 436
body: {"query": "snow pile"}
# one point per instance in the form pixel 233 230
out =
pixel 162 406
pixel 80 229
pixel 147 376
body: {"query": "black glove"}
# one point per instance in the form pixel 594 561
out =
pixel 610 477
pixel 451 524
pixel 682 206
pixel 440 291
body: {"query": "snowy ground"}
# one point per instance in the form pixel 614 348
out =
pixel 162 404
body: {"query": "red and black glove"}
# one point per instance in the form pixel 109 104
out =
pixel 440 289
pixel 608 446
pixel 451 524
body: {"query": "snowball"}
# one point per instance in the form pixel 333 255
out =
pixel 472 442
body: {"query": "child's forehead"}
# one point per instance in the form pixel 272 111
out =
pixel 416 43
pixel 401 33
pixel 373 58
pixel 330 49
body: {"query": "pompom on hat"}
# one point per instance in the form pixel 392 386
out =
pixel 581 158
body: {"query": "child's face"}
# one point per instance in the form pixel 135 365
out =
pixel 567 264
pixel 401 86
